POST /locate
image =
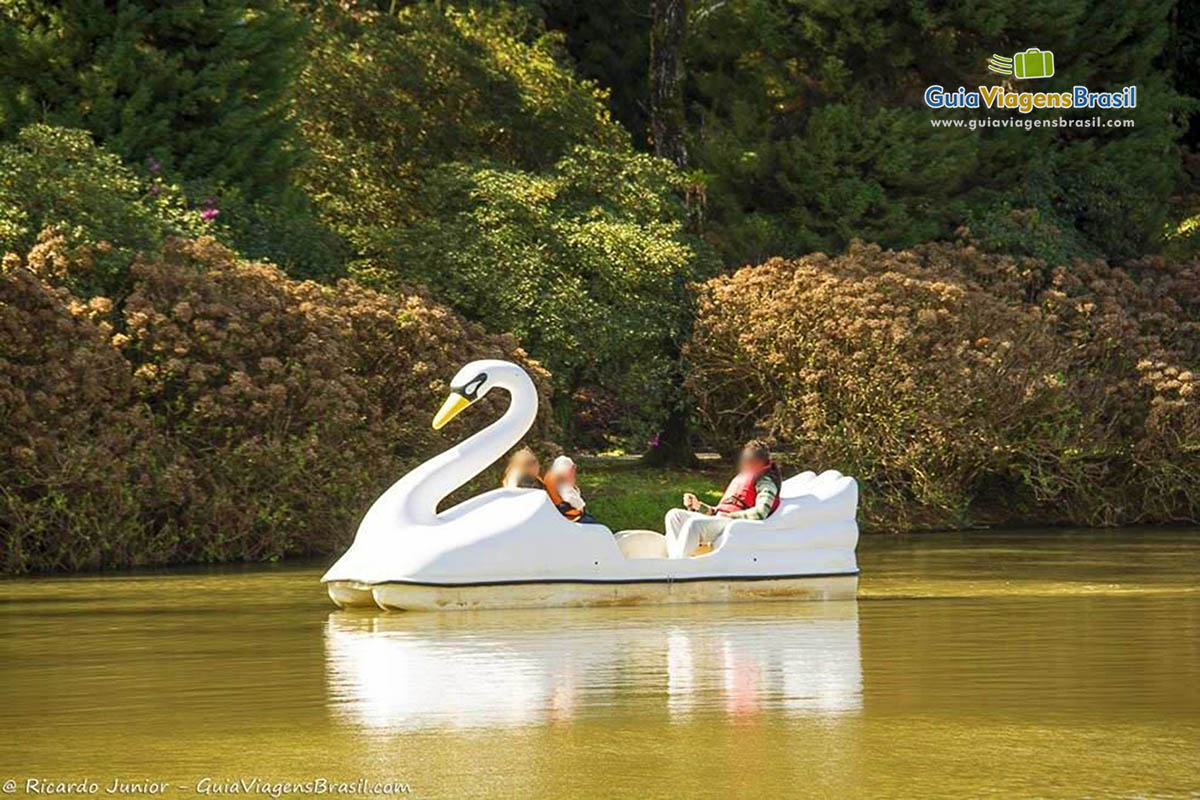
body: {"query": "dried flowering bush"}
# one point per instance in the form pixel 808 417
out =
pixel 223 412
pixel 72 437
pixel 964 388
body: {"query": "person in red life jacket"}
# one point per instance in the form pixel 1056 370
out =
pixel 752 494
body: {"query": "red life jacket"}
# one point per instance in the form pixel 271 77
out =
pixel 741 494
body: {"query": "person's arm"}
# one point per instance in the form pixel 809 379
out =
pixel 697 505
pixel 766 494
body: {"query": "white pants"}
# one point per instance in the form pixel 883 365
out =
pixel 686 530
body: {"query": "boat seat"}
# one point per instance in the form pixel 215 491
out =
pixel 809 497
pixel 642 544
pixel 805 500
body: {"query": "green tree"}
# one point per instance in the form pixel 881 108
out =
pixel 496 178
pixel 201 86
pixel 609 43
pixel 585 262
pixel 810 120
pixel 1183 60
pixel 488 87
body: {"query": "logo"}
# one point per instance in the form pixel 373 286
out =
pixel 1033 63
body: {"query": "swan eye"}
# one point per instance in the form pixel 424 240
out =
pixel 471 389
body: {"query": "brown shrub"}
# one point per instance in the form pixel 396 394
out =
pixel 965 388
pixel 223 412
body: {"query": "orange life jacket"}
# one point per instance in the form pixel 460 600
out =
pixel 566 509
pixel 742 494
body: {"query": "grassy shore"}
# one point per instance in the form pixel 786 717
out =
pixel 625 495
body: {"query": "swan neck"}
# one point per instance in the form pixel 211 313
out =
pixel 413 500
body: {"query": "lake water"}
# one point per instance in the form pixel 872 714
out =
pixel 1048 664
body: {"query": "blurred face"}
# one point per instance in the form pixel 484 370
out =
pixel 750 460
pixel 529 465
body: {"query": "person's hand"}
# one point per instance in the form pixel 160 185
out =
pixel 690 501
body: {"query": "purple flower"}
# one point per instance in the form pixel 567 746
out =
pixel 210 211
pixel 154 189
pixel 654 440
pixel 154 164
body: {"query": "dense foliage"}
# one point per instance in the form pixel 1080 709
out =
pixel 609 43
pixel 193 423
pixel 809 124
pixel 962 387
pixel 462 179
pixel 199 87
pixel 584 263
pixel 498 180
pixel 55 177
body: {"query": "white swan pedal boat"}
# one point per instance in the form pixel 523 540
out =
pixel 510 548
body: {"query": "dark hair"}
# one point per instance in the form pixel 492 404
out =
pixel 758 449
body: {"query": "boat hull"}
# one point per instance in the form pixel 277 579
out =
pixel 401 596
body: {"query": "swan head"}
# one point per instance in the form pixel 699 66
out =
pixel 470 384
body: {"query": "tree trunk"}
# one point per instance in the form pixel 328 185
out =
pixel 668 31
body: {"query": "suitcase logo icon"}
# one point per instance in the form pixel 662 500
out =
pixel 1033 63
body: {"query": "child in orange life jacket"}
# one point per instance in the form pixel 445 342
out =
pixel 752 494
pixel 563 487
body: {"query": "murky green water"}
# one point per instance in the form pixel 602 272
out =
pixel 1032 664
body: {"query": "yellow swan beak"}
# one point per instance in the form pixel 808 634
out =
pixel 449 410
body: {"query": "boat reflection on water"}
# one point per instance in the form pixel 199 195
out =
pixel 503 669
